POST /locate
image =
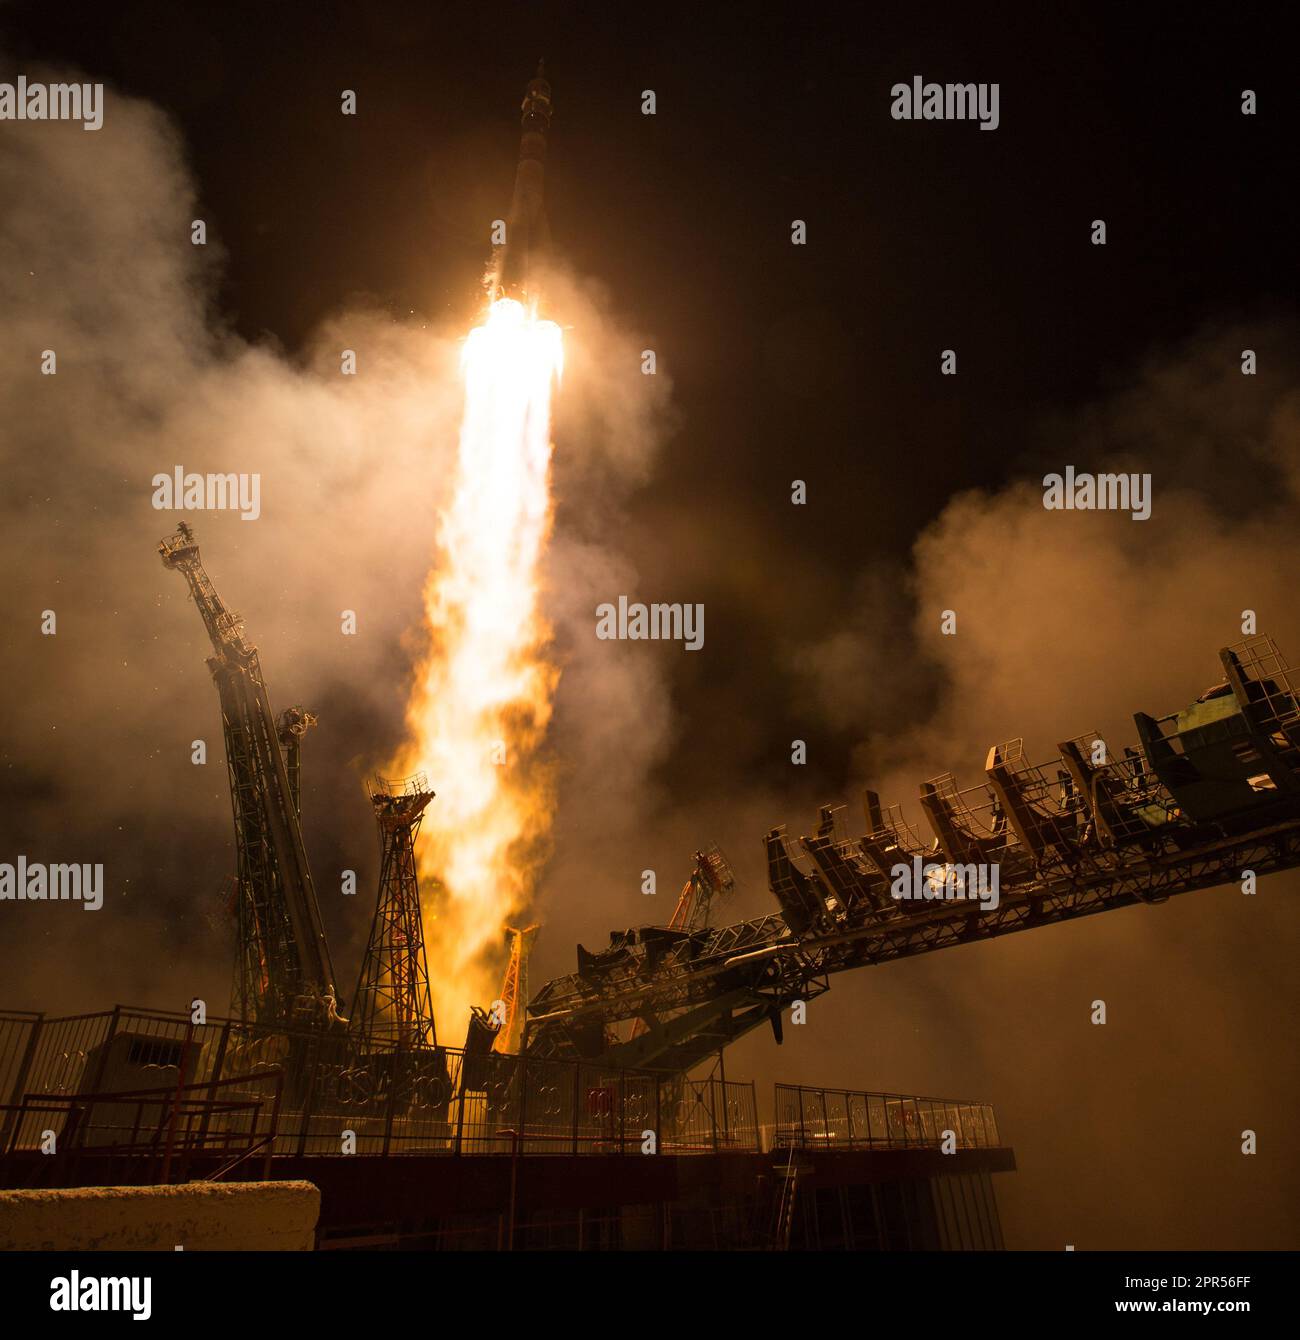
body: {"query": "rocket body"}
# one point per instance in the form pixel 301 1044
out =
pixel 522 259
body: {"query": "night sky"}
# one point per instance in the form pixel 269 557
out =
pixel 818 362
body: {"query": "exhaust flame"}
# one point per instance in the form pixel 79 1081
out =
pixel 481 701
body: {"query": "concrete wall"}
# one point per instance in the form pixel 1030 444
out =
pixel 201 1216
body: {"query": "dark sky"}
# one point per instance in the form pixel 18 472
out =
pixel 922 236
pixel 819 363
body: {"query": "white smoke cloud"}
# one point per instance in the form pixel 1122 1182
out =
pixel 99 267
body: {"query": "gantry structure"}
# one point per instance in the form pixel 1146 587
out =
pixel 1209 795
pixel 392 1006
pixel 283 971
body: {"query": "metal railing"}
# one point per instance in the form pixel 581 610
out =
pixel 339 1099
pixel 161 1128
pixel 817 1118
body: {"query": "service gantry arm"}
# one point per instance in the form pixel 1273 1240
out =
pixel 1213 793
pixel 281 932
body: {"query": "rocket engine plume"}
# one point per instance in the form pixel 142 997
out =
pixel 482 698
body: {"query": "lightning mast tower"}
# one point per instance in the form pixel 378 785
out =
pixel 284 973
pixel 393 1003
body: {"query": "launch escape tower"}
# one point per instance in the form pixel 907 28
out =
pixel 283 972
pixel 392 1005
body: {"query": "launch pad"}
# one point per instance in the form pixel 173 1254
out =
pixel 601 1060
pixel 507 1151
pixel 582 1114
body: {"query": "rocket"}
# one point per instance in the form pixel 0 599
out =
pixel 520 260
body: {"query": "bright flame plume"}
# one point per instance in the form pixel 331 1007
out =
pixel 482 698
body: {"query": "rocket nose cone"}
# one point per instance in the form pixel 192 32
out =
pixel 538 89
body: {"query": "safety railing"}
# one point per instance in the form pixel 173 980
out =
pixel 162 1129
pixel 339 1098
pixel 817 1118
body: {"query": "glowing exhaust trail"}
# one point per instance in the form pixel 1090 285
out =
pixel 482 697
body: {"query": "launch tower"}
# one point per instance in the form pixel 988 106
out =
pixel 393 1004
pixel 284 972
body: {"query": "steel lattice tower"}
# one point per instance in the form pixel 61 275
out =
pixel 392 1003
pixel 284 973
pixel 514 990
